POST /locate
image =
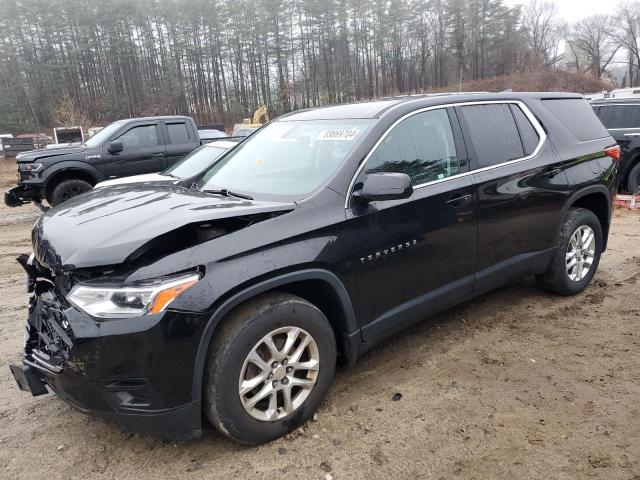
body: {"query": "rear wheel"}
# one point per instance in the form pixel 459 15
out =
pixel 67 189
pixel 576 260
pixel 633 182
pixel 269 367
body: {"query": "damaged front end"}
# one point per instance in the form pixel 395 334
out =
pixel 48 334
pixel 121 296
pixel 134 370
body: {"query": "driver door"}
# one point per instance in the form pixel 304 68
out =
pixel 143 152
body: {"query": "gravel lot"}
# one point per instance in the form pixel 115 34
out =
pixel 515 384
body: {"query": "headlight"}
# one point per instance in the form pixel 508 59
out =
pixel 32 167
pixel 130 301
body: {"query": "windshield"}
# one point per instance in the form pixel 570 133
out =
pixel 195 162
pixel 99 137
pixel 286 158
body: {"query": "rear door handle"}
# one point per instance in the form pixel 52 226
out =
pixel 157 154
pixel 459 201
pixel 552 172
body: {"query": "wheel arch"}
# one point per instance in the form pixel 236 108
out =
pixel 597 199
pixel 67 172
pixel 320 287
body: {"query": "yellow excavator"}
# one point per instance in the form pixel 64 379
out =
pixel 248 125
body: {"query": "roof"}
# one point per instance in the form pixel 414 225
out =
pixel 376 108
pixel 157 117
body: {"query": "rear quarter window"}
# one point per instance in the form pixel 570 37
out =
pixel 578 117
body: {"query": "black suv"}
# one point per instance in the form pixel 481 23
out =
pixel 622 118
pixel 127 147
pixel 318 236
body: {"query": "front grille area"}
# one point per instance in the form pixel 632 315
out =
pixel 50 336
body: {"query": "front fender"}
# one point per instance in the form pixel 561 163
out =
pixel 70 165
pixel 247 293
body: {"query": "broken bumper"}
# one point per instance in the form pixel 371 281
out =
pixel 21 195
pixel 136 372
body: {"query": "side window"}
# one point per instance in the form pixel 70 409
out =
pixel 422 146
pixel 493 133
pixel 620 116
pixel 528 134
pixel 139 137
pixel 178 133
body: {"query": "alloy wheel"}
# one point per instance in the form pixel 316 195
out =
pixel 279 373
pixel 580 253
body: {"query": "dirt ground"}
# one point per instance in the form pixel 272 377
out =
pixel 516 384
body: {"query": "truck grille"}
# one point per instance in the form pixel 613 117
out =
pixel 50 336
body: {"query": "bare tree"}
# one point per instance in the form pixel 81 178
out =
pixel 628 19
pixel 67 114
pixel 594 37
pixel 543 30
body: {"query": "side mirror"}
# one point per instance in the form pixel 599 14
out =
pixel 384 186
pixel 116 146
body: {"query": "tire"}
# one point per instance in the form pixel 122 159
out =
pixel 633 180
pixel 562 279
pixel 242 331
pixel 67 189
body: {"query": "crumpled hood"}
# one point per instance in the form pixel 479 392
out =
pixel 45 153
pixel 104 226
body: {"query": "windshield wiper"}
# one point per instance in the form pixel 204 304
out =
pixel 228 193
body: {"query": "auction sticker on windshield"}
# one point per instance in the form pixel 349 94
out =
pixel 338 134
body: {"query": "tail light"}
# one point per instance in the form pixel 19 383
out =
pixel 613 152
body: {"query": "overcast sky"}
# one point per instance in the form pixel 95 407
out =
pixel 573 10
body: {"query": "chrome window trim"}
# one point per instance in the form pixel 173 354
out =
pixel 534 122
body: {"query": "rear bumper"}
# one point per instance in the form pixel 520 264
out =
pixel 21 195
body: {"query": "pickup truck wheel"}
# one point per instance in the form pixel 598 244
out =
pixel 67 189
pixel 633 182
pixel 269 367
pixel 576 260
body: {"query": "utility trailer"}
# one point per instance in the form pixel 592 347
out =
pixel 14 146
pixel 68 135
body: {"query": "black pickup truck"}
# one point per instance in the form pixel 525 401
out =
pixel 127 147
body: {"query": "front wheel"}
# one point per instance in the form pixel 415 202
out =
pixel 269 367
pixel 576 260
pixel 67 189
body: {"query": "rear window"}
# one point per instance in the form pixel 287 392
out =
pixel 178 133
pixel 578 117
pixel 493 133
pixel 620 116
